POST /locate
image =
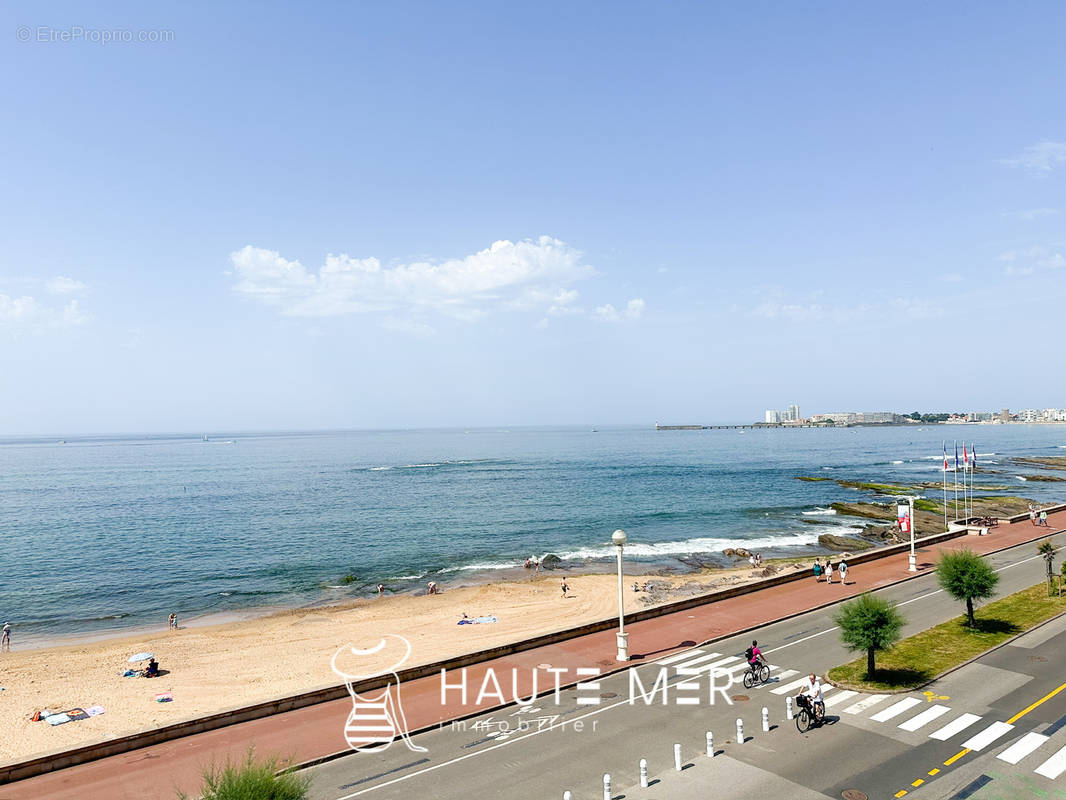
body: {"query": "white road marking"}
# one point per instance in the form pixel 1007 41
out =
pixel 785 674
pixel 865 703
pixel 1023 747
pixel 955 726
pixel 987 736
pixel 896 709
pixel 923 719
pixel 678 657
pixel 840 697
pixel 706 667
pixel 788 687
pixel 1054 766
pixel 698 660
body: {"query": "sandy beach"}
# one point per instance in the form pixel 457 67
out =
pixel 213 668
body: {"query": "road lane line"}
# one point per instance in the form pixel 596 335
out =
pixel 706 667
pixel 896 709
pixel 987 736
pixel 1023 747
pixel 678 657
pixel 1043 699
pixel 955 726
pixel 698 660
pixel 786 674
pixel 923 719
pixel 865 703
pixel 788 687
pixel 840 697
pixel 1054 766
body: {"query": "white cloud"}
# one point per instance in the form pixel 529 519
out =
pixel 1039 158
pixel 524 275
pixel 608 313
pixel 1029 214
pixel 26 315
pixel 1030 259
pixel 63 285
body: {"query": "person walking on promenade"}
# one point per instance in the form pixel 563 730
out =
pixel 5 640
pixel 1032 516
pixel 843 567
pixel 828 571
pixel 817 570
pixel 1043 518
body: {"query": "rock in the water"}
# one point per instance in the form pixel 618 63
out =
pixel 842 543
pixel 742 553
pixel 729 552
pixel 550 561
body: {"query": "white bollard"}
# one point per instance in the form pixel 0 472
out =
pixel 677 757
pixel 566 795
pixel 740 731
pixel 788 707
pixel 765 720
pixel 606 786
pixel 710 745
pixel 644 773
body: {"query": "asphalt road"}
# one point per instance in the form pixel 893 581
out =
pixel 567 741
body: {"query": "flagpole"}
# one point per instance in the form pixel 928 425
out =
pixel 945 471
pixel 956 479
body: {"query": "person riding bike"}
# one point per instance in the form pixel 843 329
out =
pixel 754 656
pixel 813 691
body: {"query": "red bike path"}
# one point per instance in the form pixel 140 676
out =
pixel 158 772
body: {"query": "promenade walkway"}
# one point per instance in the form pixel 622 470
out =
pixel 159 771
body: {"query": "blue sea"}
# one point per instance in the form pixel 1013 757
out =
pixel 103 533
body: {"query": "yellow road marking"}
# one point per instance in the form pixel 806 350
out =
pixel 1046 697
pixel 930 697
pixel 934 771
pixel 901 792
pixel 956 757
pixel 918 782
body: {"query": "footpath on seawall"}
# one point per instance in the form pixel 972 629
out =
pixel 316 732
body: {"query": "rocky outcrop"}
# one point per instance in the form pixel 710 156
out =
pixel 842 543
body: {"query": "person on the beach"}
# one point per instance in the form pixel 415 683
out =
pixel 751 560
pixel 5 640
pixel 565 588
pixel 381 590
pixel 172 621
pixel 432 587
pixel 828 571
pixel 843 567
pixel 817 570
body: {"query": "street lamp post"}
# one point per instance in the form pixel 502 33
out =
pixel 619 540
pixel 913 565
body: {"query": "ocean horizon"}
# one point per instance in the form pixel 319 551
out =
pixel 106 533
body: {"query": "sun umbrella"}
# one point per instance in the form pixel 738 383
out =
pixel 140 657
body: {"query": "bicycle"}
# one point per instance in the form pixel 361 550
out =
pixel 756 673
pixel 806 718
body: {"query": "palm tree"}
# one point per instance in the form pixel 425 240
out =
pixel 966 576
pixel 869 623
pixel 1047 550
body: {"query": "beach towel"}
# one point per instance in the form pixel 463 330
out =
pixel 76 714
pixel 94 711
pixel 130 673
pixel 166 697
pixel 477 621
pixel 57 719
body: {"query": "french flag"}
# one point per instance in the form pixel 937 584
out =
pixel 945 456
pixel 965 457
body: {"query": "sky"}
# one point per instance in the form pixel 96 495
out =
pixel 257 216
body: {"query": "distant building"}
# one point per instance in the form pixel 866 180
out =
pixel 793 413
pixel 1028 415
pixel 879 417
pixel 1004 415
pixel 838 417
pixel 773 417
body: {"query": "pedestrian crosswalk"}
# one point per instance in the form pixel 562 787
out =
pixel 905 713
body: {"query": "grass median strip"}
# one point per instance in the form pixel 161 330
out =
pixel 920 658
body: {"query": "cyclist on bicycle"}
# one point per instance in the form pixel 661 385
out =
pixel 813 691
pixel 755 656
